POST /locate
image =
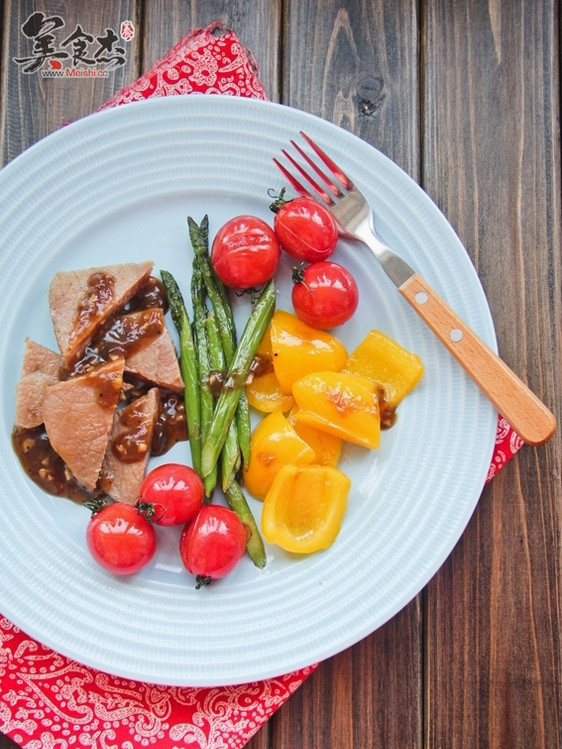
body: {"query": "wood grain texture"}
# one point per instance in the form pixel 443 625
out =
pixel 355 63
pixel 492 163
pixel 32 106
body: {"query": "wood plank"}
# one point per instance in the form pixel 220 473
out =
pixel 365 80
pixel 368 693
pixel 492 163
pixel 364 76
pixel 43 105
pixel 257 25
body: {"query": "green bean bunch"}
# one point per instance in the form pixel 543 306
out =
pixel 214 367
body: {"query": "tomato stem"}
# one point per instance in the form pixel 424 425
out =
pixel 298 277
pixel 253 292
pixel 278 200
pixel 148 510
pixel 95 505
pixel 202 580
pixel 298 274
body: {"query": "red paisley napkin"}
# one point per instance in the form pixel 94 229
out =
pixel 48 700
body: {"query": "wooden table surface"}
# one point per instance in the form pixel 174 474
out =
pixel 465 97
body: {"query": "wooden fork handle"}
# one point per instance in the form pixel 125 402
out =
pixel 527 415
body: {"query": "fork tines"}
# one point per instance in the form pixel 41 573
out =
pixel 336 190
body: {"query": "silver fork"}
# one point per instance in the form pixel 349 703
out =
pixel 527 415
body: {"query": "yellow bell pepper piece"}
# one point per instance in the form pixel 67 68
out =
pixel 303 510
pixel 265 394
pixel 263 388
pixel 274 443
pixel 342 404
pixel 327 447
pixel 387 364
pixel 299 350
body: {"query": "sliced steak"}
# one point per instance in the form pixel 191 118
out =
pixel 158 363
pixel 40 368
pixel 81 301
pixel 78 417
pixel 128 451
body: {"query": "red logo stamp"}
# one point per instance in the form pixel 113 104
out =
pixel 127 30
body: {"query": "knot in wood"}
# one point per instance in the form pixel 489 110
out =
pixel 370 94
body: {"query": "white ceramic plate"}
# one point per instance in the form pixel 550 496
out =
pixel 117 187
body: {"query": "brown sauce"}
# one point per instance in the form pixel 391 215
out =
pixel 132 444
pixel 99 293
pixel 106 385
pixel 44 467
pixel 48 470
pixel 387 412
pixel 121 337
pixel 171 422
pixel 216 383
pixel 152 294
pixel 261 365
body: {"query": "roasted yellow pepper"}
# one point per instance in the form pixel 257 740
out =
pixel 265 394
pixel 387 364
pixel 327 448
pixel 274 443
pixel 342 404
pixel 263 388
pixel 304 508
pixel 298 350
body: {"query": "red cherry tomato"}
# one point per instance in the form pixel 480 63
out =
pixel 120 540
pixel 245 253
pixel 324 295
pixel 212 544
pixel 306 229
pixel 171 494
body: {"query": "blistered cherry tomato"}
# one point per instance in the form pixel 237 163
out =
pixel 120 539
pixel 306 230
pixel 171 494
pixel 213 543
pixel 324 295
pixel 245 253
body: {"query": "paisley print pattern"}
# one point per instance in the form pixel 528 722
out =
pixel 207 61
pixel 507 444
pixel 48 701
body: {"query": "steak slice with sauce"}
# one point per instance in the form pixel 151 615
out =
pixel 40 368
pixel 128 451
pixel 81 301
pixel 157 362
pixel 78 417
